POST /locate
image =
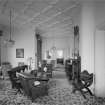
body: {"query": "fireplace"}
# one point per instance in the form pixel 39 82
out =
pixel 60 61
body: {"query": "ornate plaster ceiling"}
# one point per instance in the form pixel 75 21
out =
pixel 50 16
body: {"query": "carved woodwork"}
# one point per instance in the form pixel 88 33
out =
pixel 39 49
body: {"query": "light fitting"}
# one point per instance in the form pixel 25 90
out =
pixel 10 41
pixel 53 48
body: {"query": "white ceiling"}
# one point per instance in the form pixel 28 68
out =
pixel 48 16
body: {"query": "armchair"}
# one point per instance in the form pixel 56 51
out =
pixel 14 79
pixel 81 80
pixel 84 82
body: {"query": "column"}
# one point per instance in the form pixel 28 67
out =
pixel 87 37
pixel 1 33
pixel 39 49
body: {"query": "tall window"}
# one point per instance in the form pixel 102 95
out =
pixel 59 53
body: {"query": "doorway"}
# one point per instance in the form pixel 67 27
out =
pixel 60 57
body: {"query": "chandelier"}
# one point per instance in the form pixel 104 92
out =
pixel 10 41
pixel 53 48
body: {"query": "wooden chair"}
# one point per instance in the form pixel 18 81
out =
pixel 84 82
pixel 14 79
pixel 81 80
pixel 87 80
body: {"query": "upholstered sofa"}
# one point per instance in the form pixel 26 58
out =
pixel 32 90
pixel 25 81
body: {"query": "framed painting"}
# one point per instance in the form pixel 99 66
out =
pixel 20 53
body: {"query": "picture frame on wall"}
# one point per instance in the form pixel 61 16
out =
pixel 20 53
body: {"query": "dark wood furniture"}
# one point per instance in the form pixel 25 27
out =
pixel 48 71
pixel 27 82
pixel 73 68
pixel 76 68
pixel 68 68
pixel 84 82
pixel 39 48
pixel 13 78
pixel 60 61
pixel 81 80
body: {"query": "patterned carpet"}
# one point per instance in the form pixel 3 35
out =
pixel 57 96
